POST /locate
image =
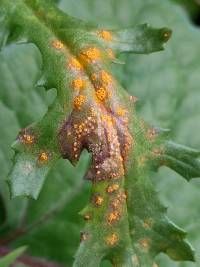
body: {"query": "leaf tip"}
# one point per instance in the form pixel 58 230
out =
pixel 166 34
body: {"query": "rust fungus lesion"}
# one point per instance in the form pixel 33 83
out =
pixel 119 200
pixel 78 83
pixel 144 243
pixel 106 77
pixel 110 53
pixel 87 217
pixel 158 152
pixel 133 99
pixel 135 259
pixel 121 111
pixel 84 236
pixel 79 101
pixel 142 160
pixel 57 44
pixel 148 223
pixel 28 139
pixel 102 93
pixel 43 157
pixel 73 63
pixel 112 239
pixel 90 54
pixel 113 217
pixel 151 134
pixel 112 188
pixel 107 119
pixel 106 35
pixel 94 76
pixel 98 200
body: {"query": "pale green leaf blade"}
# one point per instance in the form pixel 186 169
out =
pixel 11 257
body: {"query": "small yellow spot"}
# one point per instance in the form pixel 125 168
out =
pixel 141 160
pixel 74 63
pixel 79 101
pixel 108 119
pixel 101 94
pixel 112 239
pixel 106 35
pixel 115 203
pixel 133 99
pixel 135 259
pixel 84 236
pixel 110 53
pixel 122 196
pixel 148 223
pixel 167 35
pixel 121 111
pixel 113 217
pixel 94 76
pixel 92 53
pixel 157 152
pixel 78 83
pixel 144 243
pixel 106 77
pixel 43 157
pixel 87 217
pixel 155 265
pixel 151 134
pixel 28 139
pixel 57 44
pixel 98 200
pixel 112 188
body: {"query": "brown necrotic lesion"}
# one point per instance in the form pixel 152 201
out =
pixel 97 122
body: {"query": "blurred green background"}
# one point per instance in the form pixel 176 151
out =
pixel 167 86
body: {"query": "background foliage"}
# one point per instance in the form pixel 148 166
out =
pixel 167 85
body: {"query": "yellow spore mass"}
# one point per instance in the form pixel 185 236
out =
pixel 87 217
pixel 110 53
pixel 106 77
pixel 78 84
pixel 145 243
pixel 28 139
pixel 108 119
pixel 135 259
pixel 112 188
pixel 74 63
pixel 113 217
pixel 121 111
pixel 79 101
pixel 98 200
pixel 101 94
pixel 94 76
pixel 112 239
pixel 106 35
pixel 43 157
pixel 91 53
pixel 57 44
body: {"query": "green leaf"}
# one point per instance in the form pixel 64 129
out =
pixel 169 100
pixel 60 234
pixel 30 169
pixel 7 260
pixel 182 159
pixel 141 39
